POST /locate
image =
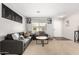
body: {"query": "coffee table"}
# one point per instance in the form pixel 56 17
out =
pixel 42 38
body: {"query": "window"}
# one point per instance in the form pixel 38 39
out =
pixel 38 27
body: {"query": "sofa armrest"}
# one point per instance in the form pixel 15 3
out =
pixel 0 47
pixel 12 46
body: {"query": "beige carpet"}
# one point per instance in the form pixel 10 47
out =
pixel 54 47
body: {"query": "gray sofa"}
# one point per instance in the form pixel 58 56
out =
pixel 14 44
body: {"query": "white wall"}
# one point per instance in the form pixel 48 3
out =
pixel 8 26
pixel 29 27
pixel 58 28
pixel 50 28
pixel 73 25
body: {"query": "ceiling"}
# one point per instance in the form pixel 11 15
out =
pixel 45 9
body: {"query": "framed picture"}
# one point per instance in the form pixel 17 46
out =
pixel 28 20
pixel 10 14
pixel 67 22
pixel 49 20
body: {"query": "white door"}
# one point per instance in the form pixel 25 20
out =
pixel 57 28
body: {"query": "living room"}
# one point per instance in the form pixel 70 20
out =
pixel 59 21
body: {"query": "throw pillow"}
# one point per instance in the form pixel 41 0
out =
pixel 15 36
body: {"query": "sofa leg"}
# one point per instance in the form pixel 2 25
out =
pixel 20 54
pixel 3 54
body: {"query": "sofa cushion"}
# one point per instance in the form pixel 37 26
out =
pixel 29 37
pixel 25 40
pixel 8 37
pixel 16 36
pixel 21 37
